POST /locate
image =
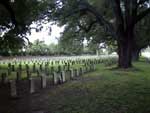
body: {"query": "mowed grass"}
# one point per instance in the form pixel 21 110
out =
pixel 108 90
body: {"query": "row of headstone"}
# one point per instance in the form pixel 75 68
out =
pixel 31 82
pixel 12 67
pixel 58 78
pixel 47 72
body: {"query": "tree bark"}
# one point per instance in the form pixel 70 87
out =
pixel 125 47
pixel 125 55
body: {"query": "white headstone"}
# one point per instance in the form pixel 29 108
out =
pixel 77 71
pixel 55 77
pixel 31 85
pixel 72 73
pixel 43 81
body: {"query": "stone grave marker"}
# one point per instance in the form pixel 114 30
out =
pixel 31 86
pixel 63 76
pixel 43 81
pixel 77 72
pixel 4 78
pixel 55 78
pixel 72 74
pixel 18 75
pixel 13 89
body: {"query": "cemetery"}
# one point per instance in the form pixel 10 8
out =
pixel 42 70
pixel 47 81
pixel 74 56
pixel 23 77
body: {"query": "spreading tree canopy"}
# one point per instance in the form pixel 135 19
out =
pixel 16 19
pixel 118 18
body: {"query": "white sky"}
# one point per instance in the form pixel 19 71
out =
pixel 44 34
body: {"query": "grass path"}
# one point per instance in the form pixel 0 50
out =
pixel 107 90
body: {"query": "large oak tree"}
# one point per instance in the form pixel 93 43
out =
pixel 120 24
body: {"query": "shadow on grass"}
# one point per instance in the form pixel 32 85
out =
pixel 132 69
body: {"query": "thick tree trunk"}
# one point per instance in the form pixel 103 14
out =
pixel 125 47
pixel 125 55
pixel 135 54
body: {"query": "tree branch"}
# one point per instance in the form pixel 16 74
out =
pixel 87 29
pixel 10 10
pixel 118 14
pixel 142 15
pixel 108 27
pixel 84 7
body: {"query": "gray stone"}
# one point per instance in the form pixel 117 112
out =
pixel 31 85
pixel 63 76
pixel 43 81
pixel 18 75
pixel 77 72
pixel 81 71
pixel 84 70
pixel 13 89
pixel 94 67
pixel 55 78
pixel 28 74
pixel 72 73
pixel 9 71
pixel 4 78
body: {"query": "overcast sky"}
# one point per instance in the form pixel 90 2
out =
pixel 44 34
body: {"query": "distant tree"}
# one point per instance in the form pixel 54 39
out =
pixel 70 42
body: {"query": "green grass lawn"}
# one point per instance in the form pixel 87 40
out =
pixel 108 90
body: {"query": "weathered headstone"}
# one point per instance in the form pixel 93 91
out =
pixel 4 78
pixel 41 68
pixel 86 69
pixel 71 73
pixel 18 75
pixel 68 67
pixel 20 67
pixel 43 81
pixel 59 69
pixel 52 69
pixel 13 67
pixel 55 78
pixel 94 67
pixel 9 71
pixel 13 89
pixel 46 67
pixel 77 72
pixel 28 74
pixel 81 71
pixel 38 73
pixel 34 67
pixel 31 85
pixel 63 76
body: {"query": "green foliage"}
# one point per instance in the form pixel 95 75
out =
pixel 70 43
pixel 25 13
pixel 142 33
pixel 40 48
